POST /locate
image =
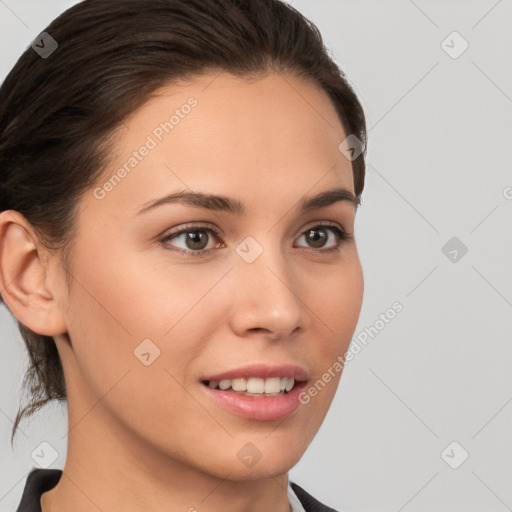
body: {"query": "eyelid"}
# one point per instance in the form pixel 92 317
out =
pixel 317 223
pixel 192 226
pixel 217 231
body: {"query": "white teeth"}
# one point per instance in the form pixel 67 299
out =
pixel 273 385
pixel 239 384
pixel 255 385
pixel 224 384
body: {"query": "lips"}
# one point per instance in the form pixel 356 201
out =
pixel 256 395
pixel 261 371
pixel 257 407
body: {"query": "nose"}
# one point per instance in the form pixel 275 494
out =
pixel 266 296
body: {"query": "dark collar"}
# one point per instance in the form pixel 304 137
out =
pixel 309 503
pixel 41 480
pixel 38 482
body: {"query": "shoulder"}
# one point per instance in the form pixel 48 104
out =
pixel 38 482
pixel 309 503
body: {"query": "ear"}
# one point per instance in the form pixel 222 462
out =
pixel 24 276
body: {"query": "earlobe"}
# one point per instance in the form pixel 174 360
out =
pixel 24 276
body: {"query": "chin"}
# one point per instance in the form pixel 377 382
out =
pixel 264 455
pixel 260 470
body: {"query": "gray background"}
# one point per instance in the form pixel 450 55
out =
pixel 439 164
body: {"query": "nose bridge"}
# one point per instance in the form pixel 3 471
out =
pixel 266 296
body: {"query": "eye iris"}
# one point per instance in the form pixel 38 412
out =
pixel 315 238
pixel 196 238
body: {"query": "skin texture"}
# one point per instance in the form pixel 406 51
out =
pixel 147 437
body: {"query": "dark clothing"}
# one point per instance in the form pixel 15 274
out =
pixel 41 480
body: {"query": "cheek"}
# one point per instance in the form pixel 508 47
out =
pixel 122 301
pixel 113 310
pixel 349 292
pixel 334 306
pixel 337 305
pixel 130 295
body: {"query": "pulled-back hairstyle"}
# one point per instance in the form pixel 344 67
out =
pixel 58 114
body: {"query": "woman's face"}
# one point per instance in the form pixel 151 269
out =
pixel 154 313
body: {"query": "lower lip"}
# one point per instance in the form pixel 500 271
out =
pixel 258 407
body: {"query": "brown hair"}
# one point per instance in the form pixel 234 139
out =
pixel 58 114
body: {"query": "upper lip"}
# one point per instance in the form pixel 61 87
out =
pixel 262 371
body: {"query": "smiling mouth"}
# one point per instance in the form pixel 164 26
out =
pixel 253 386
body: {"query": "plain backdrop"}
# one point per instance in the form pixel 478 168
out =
pixel 423 415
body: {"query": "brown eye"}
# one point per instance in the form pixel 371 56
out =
pixel 196 239
pixel 192 240
pixel 318 236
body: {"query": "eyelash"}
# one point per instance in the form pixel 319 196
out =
pixel 342 235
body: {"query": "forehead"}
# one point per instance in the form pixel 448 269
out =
pixel 224 134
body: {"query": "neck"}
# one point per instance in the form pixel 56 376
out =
pixel 109 469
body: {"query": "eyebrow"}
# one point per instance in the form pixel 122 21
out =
pixel 234 206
